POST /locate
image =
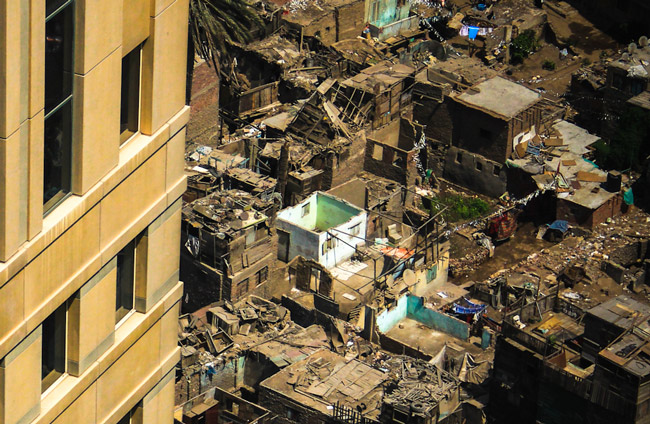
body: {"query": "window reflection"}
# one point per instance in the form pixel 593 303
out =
pixel 59 33
pixel 58 58
pixel 57 154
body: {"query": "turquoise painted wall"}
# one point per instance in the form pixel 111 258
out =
pixel 332 212
pixel 389 318
pixel 387 12
pixel 293 214
pixel 413 307
pixel 436 320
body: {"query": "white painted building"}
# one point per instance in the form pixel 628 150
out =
pixel 323 228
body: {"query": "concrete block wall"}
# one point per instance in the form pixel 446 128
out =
pixel 475 172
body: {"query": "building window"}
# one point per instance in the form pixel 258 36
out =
pixel 262 275
pixel 398 160
pixel 486 134
pixel 59 52
pixel 479 166
pixel 53 356
pixel 329 244
pixel 129 417
pixel 378 152
pixel 292 414
pixel 242 287
pixel 459 157
pixel 305 210
pixel 130 103
pixel 125 285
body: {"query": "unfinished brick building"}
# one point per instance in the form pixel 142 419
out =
pixel 391 151
pixel 228 247
pixel 482 126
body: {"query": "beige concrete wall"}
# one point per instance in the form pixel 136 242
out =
pixel 159 267
pixel 164 64
pixel 91 319
pixel 22 52
pixel 118 192
pixel 20 381
pixel 135 28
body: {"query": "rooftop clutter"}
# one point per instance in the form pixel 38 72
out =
pixel 360 165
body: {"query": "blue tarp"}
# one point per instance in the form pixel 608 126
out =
pixel 562 226
pixel 472 32
pixel 469 310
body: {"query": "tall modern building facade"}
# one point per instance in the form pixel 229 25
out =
pixel 92 131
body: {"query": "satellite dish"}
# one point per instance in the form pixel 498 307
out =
pixel 643 41
pixel 625 57
pixel 243 216
pixel 409 277
pixel 631 48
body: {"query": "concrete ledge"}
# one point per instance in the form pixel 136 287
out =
pixel 72 388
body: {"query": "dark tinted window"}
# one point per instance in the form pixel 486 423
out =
pixel 53 347
pixel 59 54
pixel 125 281
pixel 130 105
pixel 57 154
pixel 58 58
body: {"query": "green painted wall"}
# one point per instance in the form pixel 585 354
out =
pixel 332 213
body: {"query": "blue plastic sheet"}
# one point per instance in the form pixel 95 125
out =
pixel 559 225
pixel 628 197
pixel 469 310
pixel 472 32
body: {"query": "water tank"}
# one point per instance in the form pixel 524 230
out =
pixel 613 184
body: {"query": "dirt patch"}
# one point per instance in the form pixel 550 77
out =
pixel 521 245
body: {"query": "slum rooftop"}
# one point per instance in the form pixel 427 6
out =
pixel 635 61
pixel 328 212
pixel 227 211
pixel 384 74
pixel 631 352
pixel 623 311
pixel 641 100
pixel 500 96
pixel 326 378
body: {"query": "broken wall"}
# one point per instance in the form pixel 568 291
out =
pixel 390 162
pixel 475 172
pixel 410 306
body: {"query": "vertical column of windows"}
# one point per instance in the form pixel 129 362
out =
pixel 59 60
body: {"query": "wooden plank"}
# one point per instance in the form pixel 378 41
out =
pixel 590 177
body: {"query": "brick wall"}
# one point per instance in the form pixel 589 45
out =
pixel 203 126
pixel 282 407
